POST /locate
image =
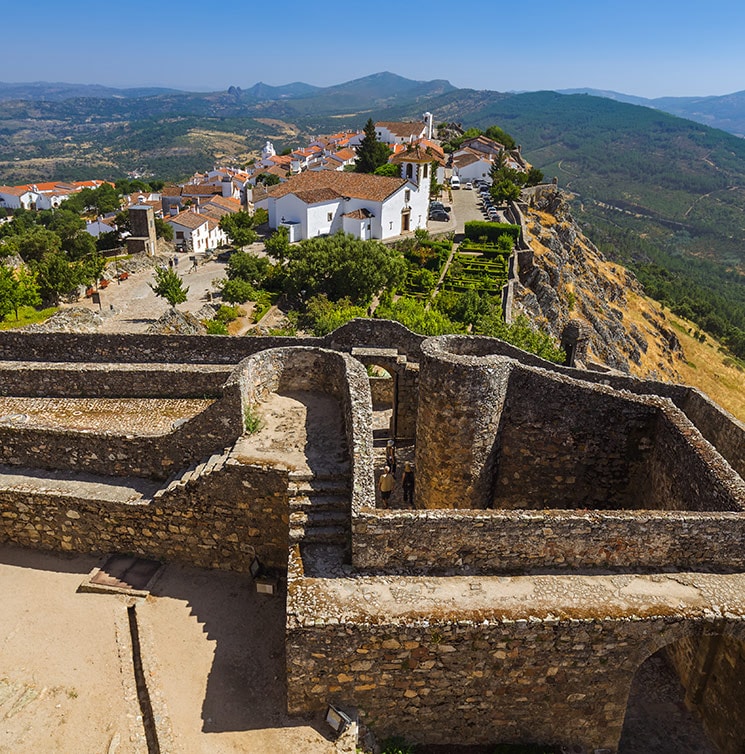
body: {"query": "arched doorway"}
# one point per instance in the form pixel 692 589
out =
pixel 688 697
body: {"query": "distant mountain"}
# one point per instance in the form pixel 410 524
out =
pixel 44 91
pixel 726 111
pixel 262 91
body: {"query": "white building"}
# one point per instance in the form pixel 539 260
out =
pixel 400 133
pixel 366 206
pixel 196 233
pixel 470 166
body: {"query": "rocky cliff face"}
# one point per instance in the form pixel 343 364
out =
pixel 565 277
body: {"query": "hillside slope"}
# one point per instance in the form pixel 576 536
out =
pixel 568 278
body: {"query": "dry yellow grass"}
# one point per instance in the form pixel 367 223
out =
pixel 710 370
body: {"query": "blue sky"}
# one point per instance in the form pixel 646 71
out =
pixel 653 48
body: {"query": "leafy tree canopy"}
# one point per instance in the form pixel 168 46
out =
pixel 239 228
pixel 390 170
pixel 17 288
pixel 371 153
pixel 169 285
pixel 342 266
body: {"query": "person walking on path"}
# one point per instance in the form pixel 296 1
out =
pixel 408 484
pixel 386 483
pixel 390 456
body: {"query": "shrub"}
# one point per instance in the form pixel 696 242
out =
pixel 476 229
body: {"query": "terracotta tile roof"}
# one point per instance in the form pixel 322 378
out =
pixel 345 154
pixel 200 189
pixel 414 153
pixel 433 146
pixel 13 190
pixel 281 159
pixel 359 214
pixel 188 220
pixel 468 158
pixel 224 202
pixel 403 130
pixel 171 191
pixel 358 185
pixel 314 196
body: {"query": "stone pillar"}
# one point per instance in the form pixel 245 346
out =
pixel 407 396
pixel 462 389
pixel 574 341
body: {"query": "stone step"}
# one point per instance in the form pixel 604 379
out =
pixel 325 534
pixel 76 485
pixel 196 471
pixel 314 487
pixel 320 501
pixel 315 518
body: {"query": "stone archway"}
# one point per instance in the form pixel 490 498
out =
pixel 688 696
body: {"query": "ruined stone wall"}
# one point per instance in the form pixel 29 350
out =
pixel 152 457
pixel 203 349
pixel 76 380
pixel 512 542
pixel 381 389
pixel 407 402
pixel 712 671
pixel 220 523
pixel 462 388
pixel 565 445
pixel 685 471
pixel 314 369
pixel 474 679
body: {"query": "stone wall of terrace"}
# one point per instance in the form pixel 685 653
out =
pixel 80 380
pixel 437 674
pixel 110 454
pixel 490 542
pixel 220 522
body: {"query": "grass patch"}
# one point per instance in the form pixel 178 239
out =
pixel 251 421
pixel 27 315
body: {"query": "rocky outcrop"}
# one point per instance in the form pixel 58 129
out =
pixel 564 277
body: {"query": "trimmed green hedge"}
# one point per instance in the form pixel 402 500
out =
pixel 477 229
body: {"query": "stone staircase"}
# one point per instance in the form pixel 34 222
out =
pixel 319 508
pixel 197 472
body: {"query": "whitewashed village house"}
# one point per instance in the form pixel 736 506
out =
pixel 317 203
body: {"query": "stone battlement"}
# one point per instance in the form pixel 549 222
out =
pixel 566 524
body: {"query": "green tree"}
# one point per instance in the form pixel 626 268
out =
pixel 389 170
pixel 342 266
pixel 163 229
pixel 413 314
pixel 34 243
pixel 239 228
pixel 238 291
pixel 498 135
pixel 57 276
pixel 371 153
pixel 322 316
pixel 268 179
pixel 169 285
pixel 17 288
pixel 103 199
pixel 248 267
pixel 521 334
pixel 278 244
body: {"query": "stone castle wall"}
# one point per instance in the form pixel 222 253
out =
pixel 150 457
pixel 218 523
pixel 491 542
pixel 78 380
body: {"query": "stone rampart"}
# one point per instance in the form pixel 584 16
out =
pixel 447 677
pixel 82 380
pixel 220 523
pixel 462 389
pixel 314 369
pixel 445 542
pixel 150 457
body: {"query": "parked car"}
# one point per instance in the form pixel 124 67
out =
pixel 438 205
pixel 455 182
pixel 440 215
pixel 468 186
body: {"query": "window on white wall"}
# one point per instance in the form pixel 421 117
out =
pixel 329 216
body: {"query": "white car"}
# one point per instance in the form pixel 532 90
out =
pixel 468 186
pixel 455 182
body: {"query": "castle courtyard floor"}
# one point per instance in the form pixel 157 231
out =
pixel 212 646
